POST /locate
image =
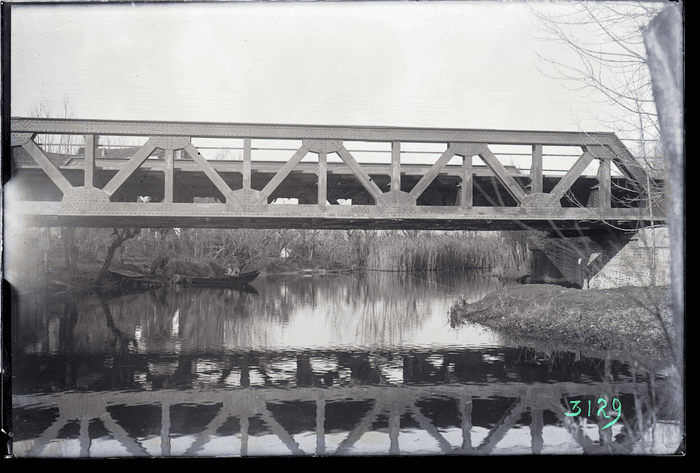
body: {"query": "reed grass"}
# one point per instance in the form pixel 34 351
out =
pixel 351 249
pixel 454 251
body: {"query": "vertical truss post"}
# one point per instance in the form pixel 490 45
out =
pixel 395 165
pixel 467 151
pixel 320 422
pixel 394 427
pixel 465 410
pixel 245 425
pixel 467 189
pixel 89 172
pixel 536 170
pixel 165 429
pixel 246 163
pixel 604 191
pixel 536 426
pixel 84 437
pixel 322 178
pixel 169 171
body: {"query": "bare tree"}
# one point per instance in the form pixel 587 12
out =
pixel 118 237
pixel 60 144
pixel 609 58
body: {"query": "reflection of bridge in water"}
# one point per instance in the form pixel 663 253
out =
pixel 129 374
pixel 236 419
pixel 245 403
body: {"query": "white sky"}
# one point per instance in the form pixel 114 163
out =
pixel 426 64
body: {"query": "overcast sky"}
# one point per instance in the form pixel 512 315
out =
pixel 426 64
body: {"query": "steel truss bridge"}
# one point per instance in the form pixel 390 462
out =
pixel 386 178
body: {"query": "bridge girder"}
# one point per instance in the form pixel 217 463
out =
pixel 449 190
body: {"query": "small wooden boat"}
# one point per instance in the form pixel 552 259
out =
pixel 225 281
pixel 126 277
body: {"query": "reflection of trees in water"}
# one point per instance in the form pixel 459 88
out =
pixel 117 324
pixel 385 308
pixel 471 286
pixel 381 308
pixel 374 309
pixel 166 320
pixel 364 309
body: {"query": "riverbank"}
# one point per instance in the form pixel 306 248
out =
pixel 632 323
pixel 625 323
pixel 82 279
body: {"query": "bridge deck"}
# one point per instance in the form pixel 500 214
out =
pixel 461 182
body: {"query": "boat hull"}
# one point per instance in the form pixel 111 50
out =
pixel 226 281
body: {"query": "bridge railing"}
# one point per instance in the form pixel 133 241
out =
pixel 459 181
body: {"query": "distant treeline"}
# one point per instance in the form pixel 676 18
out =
pixel 395 250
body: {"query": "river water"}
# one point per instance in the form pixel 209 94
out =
pixel 339 364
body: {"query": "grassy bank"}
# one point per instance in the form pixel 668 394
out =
pixel 628 323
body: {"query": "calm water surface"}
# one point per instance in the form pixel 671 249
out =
pixel 359 364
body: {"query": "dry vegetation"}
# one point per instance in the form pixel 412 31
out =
pixel 633 322
pixel 313 249
pixel 453 251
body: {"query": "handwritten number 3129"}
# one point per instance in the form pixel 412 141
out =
pixel 576 410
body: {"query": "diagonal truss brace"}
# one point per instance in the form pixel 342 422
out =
pixel 570 177
pixel 503 175
pixel 360 173
pixel 432 173
pixel 211 173
pixel 136 160
pixel 285 170
pixel 47 166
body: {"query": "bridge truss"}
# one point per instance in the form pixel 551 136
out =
pixel 326 177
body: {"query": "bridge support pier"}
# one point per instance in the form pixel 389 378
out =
pixel 602 259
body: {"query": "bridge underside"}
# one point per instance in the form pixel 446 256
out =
pixel 335 178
